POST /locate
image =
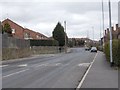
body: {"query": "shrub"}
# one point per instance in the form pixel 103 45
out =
pixel 44 43
pixel 116 51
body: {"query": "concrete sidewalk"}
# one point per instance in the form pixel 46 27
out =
pixel 101 75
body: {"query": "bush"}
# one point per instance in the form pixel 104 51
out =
pixel 44 43
pixel 116 51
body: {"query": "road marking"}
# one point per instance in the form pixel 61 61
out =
pixel 3 66
pixel 15 73
pixel 84 64
pixel 80 84
pixel 22 65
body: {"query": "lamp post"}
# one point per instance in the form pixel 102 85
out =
pixel 93 35
pixel 103 22
pixel 65 37
pixel 111 58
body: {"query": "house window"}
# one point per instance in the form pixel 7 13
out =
pixel 37 36
pixel 13 31
pixel 27 35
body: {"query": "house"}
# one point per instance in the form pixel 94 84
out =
pixel 29 34
pixel 23 33
pixel 115 33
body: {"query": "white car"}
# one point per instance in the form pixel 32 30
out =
pixel 93 49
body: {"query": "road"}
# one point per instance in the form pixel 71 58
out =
pixel 53 71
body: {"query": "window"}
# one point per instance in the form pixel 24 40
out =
pixel 37 36
pixel 27 35
pixel 13 31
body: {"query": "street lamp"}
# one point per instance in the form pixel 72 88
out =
pixel 65 37
pixel 103 22
pixel 111 58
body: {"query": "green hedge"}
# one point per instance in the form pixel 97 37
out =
pixel 116 51
pixel 44 43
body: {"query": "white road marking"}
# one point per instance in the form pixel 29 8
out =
pixel 80 84
pixel 48 64
pixel 3 66
pixel 22 65
pixel 84 64
pixel 15 73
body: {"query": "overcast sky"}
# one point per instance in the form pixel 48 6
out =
pixel 42 16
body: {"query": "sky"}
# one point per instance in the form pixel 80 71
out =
pixel 83 17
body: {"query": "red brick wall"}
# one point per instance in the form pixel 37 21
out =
pixel 32 33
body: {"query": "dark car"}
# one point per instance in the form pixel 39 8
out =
pixel 87 48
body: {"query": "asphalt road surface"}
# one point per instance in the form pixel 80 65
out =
pixel 53 71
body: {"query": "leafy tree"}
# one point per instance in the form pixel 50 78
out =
pixel 7 28
pixel 81 42
pixel 59 34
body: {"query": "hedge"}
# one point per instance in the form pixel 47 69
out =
pixel 44 43
pixel 116 51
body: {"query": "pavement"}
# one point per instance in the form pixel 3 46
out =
pixel 101 75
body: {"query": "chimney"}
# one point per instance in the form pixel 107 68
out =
pixel 116 26
pixel 112 29
pixel 107 30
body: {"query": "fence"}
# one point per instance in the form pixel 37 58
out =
pixel 13 48
pixel 10 42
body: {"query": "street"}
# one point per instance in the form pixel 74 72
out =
pixel 53 71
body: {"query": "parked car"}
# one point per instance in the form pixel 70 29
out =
pixel 93 49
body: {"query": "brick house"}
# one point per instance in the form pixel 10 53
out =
pixel 115 33
pixel 23 33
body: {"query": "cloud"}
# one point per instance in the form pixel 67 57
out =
pixel 43 16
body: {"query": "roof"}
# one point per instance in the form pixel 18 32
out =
pixel 6 20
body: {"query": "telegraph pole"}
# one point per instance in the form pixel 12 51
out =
pixel 65 37
pixel 100 34
pixel 93 35
pixel 111 58
pixel 103 22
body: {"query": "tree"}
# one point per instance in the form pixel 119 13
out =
pixel 81 42
pixel 59 34
pixel 7 28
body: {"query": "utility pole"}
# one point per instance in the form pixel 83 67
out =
pixel 100 34
pixel 119 13
pixel 111 58
pixel 103 22
pixel 87 33
pixel 65 37
pixel 93 35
